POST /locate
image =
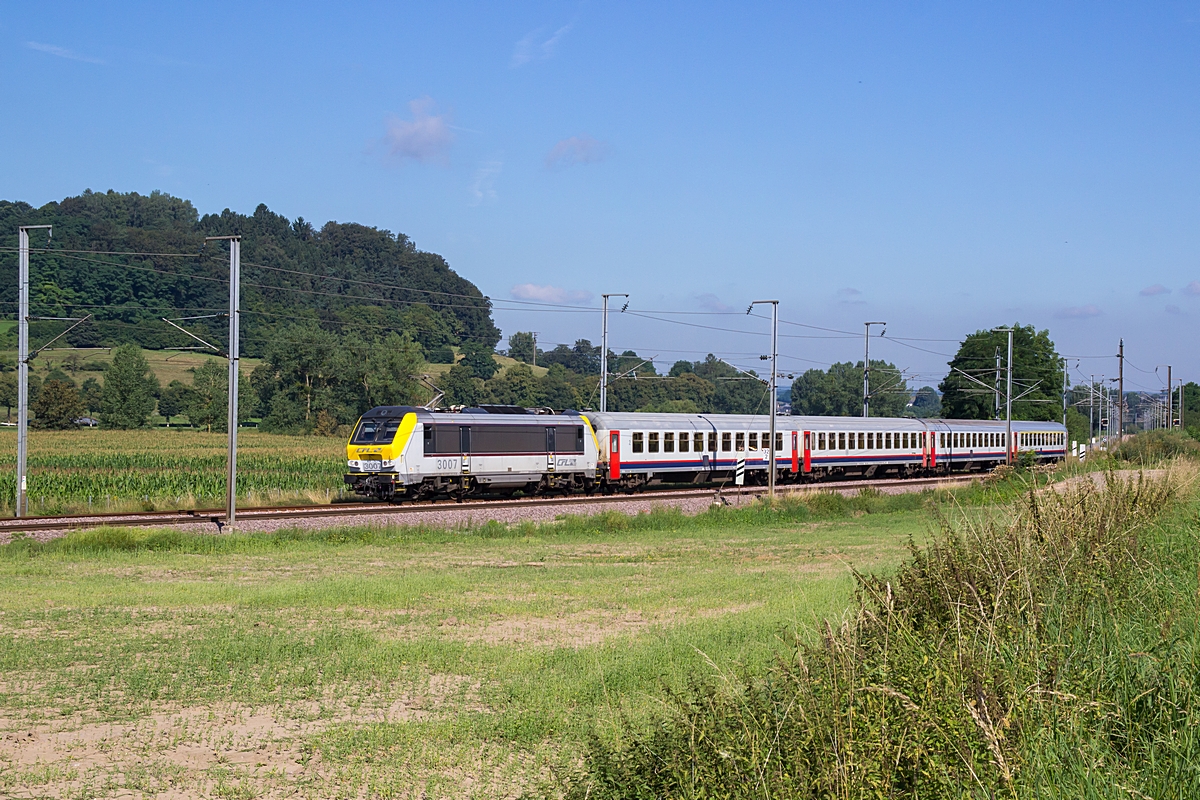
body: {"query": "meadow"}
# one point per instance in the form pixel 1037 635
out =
pixel 397 662
pixel 98 470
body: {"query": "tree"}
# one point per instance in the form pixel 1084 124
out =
pixel 91 394
pixel 583 358
pixel 207 400
pixel 522 346
pixel 557 390
pixel 441 355
pixel 127 399
pixel 1037 375
pixel 838 392
pixel 173 401
pixel 927 403
pixel 8 391
pixel 389 374
pixel 461 387
pixel 480 359
pixel 298 377
pixel 516 387
pixel 58 406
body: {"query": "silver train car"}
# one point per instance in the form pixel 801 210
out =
pixel 398 452
pixel 644 449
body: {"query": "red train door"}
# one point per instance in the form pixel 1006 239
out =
pixel 808 451
pixel 925 449
pixel 933 449
pixel 795 452
pixel 614 455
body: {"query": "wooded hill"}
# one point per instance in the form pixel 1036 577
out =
pixel 343 276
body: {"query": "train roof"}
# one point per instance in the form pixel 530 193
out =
pixel 507 415
pixel 667 421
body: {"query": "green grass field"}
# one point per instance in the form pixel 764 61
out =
pixel 390 662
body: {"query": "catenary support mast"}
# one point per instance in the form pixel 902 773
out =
pixel 774 393
pixel 235 311
pixel 604 349
pixel 867 366
pixel 21 505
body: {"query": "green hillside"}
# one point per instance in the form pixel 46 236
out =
pixel 344 276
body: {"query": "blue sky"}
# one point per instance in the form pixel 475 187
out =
pixel 941 166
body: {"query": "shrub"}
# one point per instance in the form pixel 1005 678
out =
pixel 1153 446
pixel 1053 650
pixel 442 355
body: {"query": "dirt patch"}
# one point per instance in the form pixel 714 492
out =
pixel 582 629
pixel 196 751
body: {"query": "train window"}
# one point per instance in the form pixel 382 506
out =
pixel 779 441
pixel 870 441
pixel 653 443
pixel 740 443
pixel 862 441
pixel 684 440
pixel 698 442
pixel 754 441
pixel 841 438
pixel 887 441
pixel 637 442
pixel 668 442
pixel 820 441
pixel 367 430
pixel 726 442
pixel 712 442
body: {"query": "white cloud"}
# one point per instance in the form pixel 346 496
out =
pixel 482 186
pixel 549 294
pixel 1157 288
pixel 61 52
pixel 532 47
pixel 1192 288
pixel 426 138
pixel 1079 312
pixel 576 150
pixel 710 302
pixel 849 291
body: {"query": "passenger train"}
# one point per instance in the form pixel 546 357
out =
pixel 401 452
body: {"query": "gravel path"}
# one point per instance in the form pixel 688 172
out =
pixel 451 515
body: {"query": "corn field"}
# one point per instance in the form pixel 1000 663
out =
pixel 78 471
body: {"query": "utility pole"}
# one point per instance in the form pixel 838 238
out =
pixel 1170 397
pixel 535 348
pixel 1091 408
pixel 604 349
pixel 1182 405
pixel 774 373
pixel 1064 392
pixel 867 365
pixel 1121 390
pixel 996 411
pixel 235 280
pixel 21 506
pixel 1008 440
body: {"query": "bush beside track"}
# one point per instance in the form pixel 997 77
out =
pixel 1051 652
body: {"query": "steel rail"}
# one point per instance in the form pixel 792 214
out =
pixel 215 516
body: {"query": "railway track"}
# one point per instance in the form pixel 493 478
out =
pixel 216 516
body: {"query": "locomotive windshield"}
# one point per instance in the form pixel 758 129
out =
pixel 376 431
